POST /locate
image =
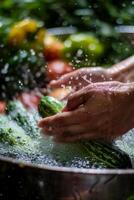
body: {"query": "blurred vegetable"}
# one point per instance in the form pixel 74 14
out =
pixel 27 33
pixel 20 71
pixel 29 100
pixel 23 118
pixel 19 31
pixel 52 47
pixel 2 107
pixel 82 49
pixel 57 68
pixel 98 17
pixel 60 93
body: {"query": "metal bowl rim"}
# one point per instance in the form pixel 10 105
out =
pixel 24 164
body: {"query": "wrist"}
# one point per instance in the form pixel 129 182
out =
pixel 123 71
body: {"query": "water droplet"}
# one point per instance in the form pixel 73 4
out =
pixel 62 85
pixel 50 128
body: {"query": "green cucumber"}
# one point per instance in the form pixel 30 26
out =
pixel 49 106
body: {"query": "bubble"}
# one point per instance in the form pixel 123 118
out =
pixel 123 5
pixel 32 52
pixel 5 68
pixel 20 84
pixel 68 43
pixel 92 47
pixel 79 52
pixel 77 61
pixel 71 77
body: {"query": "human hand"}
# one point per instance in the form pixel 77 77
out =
pixel 99 111
pixel 83 77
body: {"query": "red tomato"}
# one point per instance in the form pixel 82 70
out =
pixel 30 100
pixel 57 68
pixel 53 48
pixel 2 106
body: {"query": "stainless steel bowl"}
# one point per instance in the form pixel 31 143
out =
pixel 23 181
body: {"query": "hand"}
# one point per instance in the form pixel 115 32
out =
pixel 83 77
pixel 99 111
pixel 122 71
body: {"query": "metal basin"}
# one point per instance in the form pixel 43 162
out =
pixel 23 181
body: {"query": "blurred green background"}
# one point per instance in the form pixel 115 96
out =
pixel 99 17
pixel 97 42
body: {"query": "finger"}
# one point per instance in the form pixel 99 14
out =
pixel 64 119
pixel 76 99
pixel 68 130
pixel 64 80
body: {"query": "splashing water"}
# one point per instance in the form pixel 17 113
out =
pixel 126 143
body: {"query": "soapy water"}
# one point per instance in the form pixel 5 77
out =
pixel 126 143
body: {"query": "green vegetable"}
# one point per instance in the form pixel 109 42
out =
pixel 82 49
pixel 23 118
pixel 49 106
pixel 91 154
pixel 13 135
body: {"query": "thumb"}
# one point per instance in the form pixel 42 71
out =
pixel 75 100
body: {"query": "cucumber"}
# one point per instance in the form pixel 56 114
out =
pixel 91 154
pixel 49 106
pixel 23 118
pixel 84 154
